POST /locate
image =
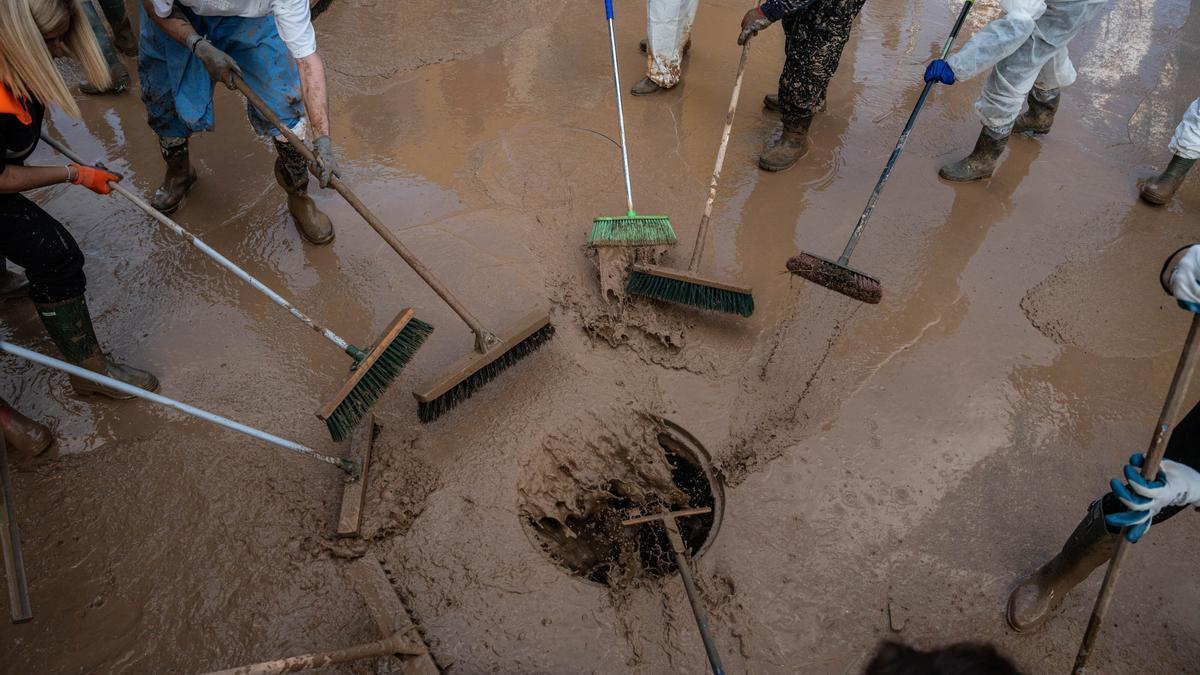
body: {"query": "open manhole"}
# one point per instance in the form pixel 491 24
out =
pixel 575 496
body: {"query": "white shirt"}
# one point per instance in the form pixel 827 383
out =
pixel 291 18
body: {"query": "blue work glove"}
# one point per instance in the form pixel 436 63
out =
pixel 939 71
pixel 1176 485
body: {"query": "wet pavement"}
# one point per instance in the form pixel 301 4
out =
pixel 890 471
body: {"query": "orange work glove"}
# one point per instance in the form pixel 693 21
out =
pixel 93 178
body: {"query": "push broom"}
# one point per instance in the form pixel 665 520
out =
pixel 374 369
pixel 688 287
pixel 839 276
pixel 629 229
pixel 492 354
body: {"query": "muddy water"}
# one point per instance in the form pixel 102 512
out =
pixel 888 469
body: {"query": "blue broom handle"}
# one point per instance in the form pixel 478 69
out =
pixel 131 390
pixel 612 40
pixel 212 253
pixel 908 127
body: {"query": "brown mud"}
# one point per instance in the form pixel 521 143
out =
pixel 888 471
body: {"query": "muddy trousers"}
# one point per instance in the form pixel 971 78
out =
pixel 813 43
pixel 114 11
pixel 668 28
pixel 1186 141
pixel 36 241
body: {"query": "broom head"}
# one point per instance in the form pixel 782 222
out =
pixel 371 377
pixel 845 280
pixel 631 230
pixel 685 288
pixel 442 393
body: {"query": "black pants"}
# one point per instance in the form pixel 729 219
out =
pixel 33 239
pixel 813 42
pixel 1182 447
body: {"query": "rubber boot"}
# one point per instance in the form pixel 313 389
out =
pixel 12 284
pixel 123 38
pixel 120 82
pixel 1089 546
pixel 792 144
pixel 291 171
pixel 179 179
pixel 1040 114
pixel 26 437
pixel 645 87
pixel 771 102
pixel 980 163
pixel 70 326
pixel 1160 189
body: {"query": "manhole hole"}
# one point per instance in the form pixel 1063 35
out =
pixel 575 496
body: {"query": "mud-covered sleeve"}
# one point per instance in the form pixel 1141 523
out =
pixel 295 26
pixel 777 9
pixel 997 40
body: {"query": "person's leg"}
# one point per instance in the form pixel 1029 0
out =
pixel 168 71
pixel 54 265
pixel 1092 543
pixel 120 76
pixel 118 18
pixel 668 31
pixel 813 48
pixel 271 73
pixel 1185 146
pixel 1044 98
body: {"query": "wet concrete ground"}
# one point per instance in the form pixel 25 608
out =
pixel 889 471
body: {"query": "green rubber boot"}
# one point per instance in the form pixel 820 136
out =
pixel 70 326
pixel 1160 189
pixel 1038 118
pixel 980 163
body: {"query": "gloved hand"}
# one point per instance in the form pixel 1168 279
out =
pixel 220 66
pixel 1185 280
pixel 1177 485
pixel 327 166
pixel 94 178
pixel 752 22
pixel 939 71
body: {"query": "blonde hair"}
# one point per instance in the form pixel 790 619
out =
pixel 26 65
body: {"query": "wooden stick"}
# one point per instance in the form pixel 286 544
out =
pixel 10 539
pixel 1158 447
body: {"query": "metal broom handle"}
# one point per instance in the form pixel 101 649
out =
pixel 612 41
pixel 1158 447
pixel 908 127
pixel 212 253
pixel 482 336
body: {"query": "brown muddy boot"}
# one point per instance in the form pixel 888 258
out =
pixel 980 163
pixel 1160 189
pixel 1040 114
pixel 70 326
pixel 645 87
pixel 22 434
pixel 179 179
pixel 291 171
pixel 771 102
pixel 124 40
pixel 120 82
pixel 12 284
pixel 1089 546
pixel 793 144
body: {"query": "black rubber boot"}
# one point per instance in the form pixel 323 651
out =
pixel 1089 546
pixel 1040 114
pixel 980 163
pixel 21 434
pixel 291 171
pixel 70 326
pixel 793 144
pixel 1160 189
pixel 123 38
pixel 179 179
pixel 120 82
pixel 771 102
pixel 645 87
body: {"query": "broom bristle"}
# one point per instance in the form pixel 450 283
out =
pixel 632 231
pixel 695 292
pixel 432 409
pixel 835 277
pixel 378 377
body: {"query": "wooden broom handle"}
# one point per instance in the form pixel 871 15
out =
pixel 351 198
pixel 702 233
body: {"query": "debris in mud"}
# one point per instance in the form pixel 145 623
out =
pixel 582 484
pixel 614 263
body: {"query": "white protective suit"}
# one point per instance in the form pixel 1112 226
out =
pixel 1186 142
pixel 668 27
pixel 1026 47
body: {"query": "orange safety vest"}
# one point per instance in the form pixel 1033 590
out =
pixel 11 105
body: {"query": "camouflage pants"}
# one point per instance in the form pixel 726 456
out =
pixel 813 44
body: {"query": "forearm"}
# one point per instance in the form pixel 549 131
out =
pixel 175 24
pixel 991 45
pixel 17 178
pixel 316 99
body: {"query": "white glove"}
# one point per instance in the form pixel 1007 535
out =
pixel 1176 485
pixel 1185 280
